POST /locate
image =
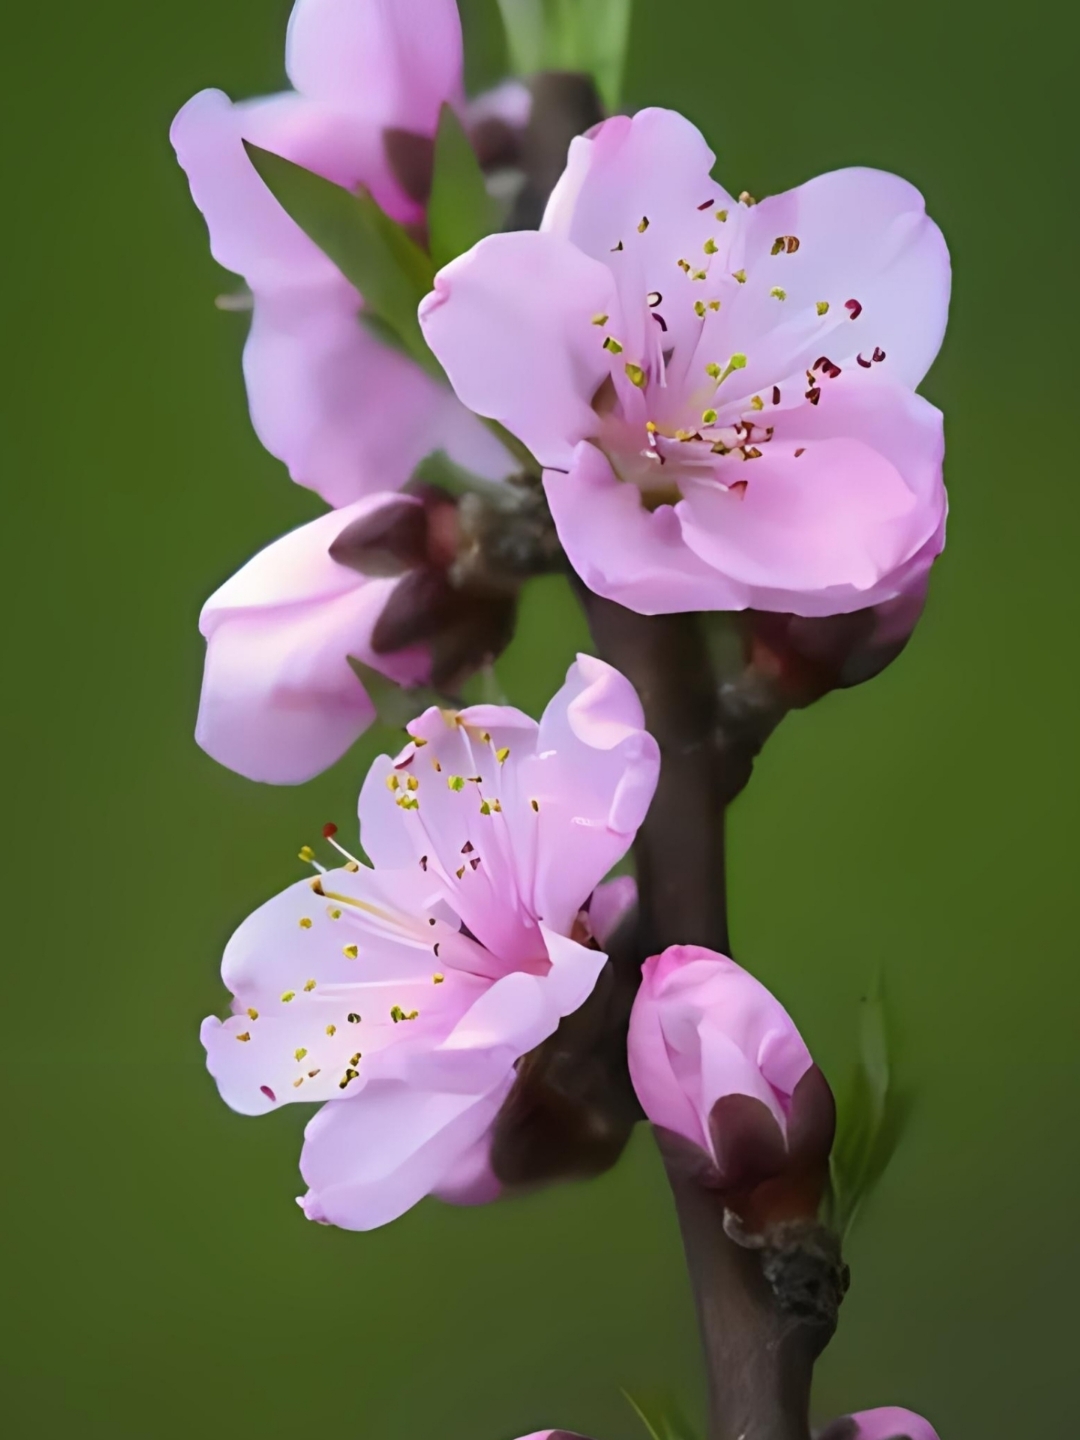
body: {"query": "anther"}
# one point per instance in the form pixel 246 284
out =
pixel 776 394
pixel 721 215
pixel 822 307
pixel 305 923
pixel 706 205
pixel 288 995
pixel 636 375
pixel 300 1053
pixel 600 319
pixel 854 308
pixel 879 354
pixel 800 451
pixel 708 417
pixel 699 309
pixel 746 198
pixel 350 952
pixel 777 293
pixel 653 299
pixel 710 247
pixel 739 275
pixel 612 345
pixel 643 224
pixel 252 1014
pixel 756 403
pixel 309 985
pixel 437 978
pixel 785 244
pixel 245 1036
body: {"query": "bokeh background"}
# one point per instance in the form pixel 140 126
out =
pixel 160 1280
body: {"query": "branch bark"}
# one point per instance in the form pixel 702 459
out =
pixel 759 1353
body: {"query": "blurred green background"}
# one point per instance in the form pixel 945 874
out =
pixel 160 1279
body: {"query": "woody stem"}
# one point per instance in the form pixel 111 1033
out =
pixel 759 1356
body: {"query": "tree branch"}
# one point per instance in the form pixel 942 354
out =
pixel 759 1349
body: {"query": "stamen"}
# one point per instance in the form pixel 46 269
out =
pixel 653 299
pixel 879 354
pixel 636 375
pixel 777 293
pixel 721 215
pixel 305 922
pixel 740 276
pixel 643 225
pixel 612 345
pixel 800 451
pixel 785 244
pixel 822 307
pixel 699 309
pixel 854 308
pixel 600 319
pixel 746 198
pixel 710 247
pixel 756 403
pixel 708 417
pixel 706 205
pixel 776 394
pixel 329 831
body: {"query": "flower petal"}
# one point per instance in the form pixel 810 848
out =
pixel 833 529
pixel 627 553
pixel 592 780
pixel 511 322
pixel 394 61
pixel 280 701
pixel 370 1159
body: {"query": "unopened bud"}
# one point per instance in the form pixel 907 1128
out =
pixel 889 1423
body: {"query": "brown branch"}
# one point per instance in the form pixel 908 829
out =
pixel 759 1347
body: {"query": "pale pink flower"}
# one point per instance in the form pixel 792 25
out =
pixel 722 393
pixel 890 1423
pixel 404 994
pixel 346 413
pixel 716 1060
pixel 280 701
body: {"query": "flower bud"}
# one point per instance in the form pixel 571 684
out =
pixel 890 1423
pixel 807 656
pixel 722 1072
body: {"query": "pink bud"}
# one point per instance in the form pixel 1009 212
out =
pixel 890 1423
pixel 718 1064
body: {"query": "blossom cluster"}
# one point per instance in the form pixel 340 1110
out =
pixel 713 403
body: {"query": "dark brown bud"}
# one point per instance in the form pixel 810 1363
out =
pixel 389 542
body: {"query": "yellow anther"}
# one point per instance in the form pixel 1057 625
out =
pixel 287 995
pixel 351 951
pixel 685 266
pixel 298 1082
pixel 713 371
pixel 307 854
pixel 710 247
pixel 305 923
pixel 777 293
pixel 651 426
pixel 503 755
pixel 708 417
pixel 612 345
pixel 496 805
pixel 643 225
pixel 822 307
pixel 455 782
pixel 334 913
pixel 393 783
pixel 535 805
pixel 684 436
pixel 245 1036
pixel 413 783
pixel 699 309
pixel 739 275
pixel 299 1054
pixel 407 802
pixel 435 763
pixel 356 1058
pixel 309 986
pixel 331 1029
pixel 700 275
pixel 636 375
pixel 460 873
pixel 344 1082
pixel 714 304
pixel 746 198
pixel 485 807
pixel 352 866
pixel 417 740
pixel 600 319
pixel 252 1014
pixel 721 215
pixel 437 978
pixel 756 403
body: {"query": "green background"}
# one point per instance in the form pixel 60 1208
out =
pixel 160 1280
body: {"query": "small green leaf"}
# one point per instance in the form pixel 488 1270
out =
pixel 394 705
pixel 870 1120
pixel 584 35
pixel 438 469
pixel 659 1412
pixel 460 211
pixel 372 251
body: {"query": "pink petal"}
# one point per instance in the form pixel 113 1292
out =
pixel 511 322
pixel 625 552
pixel 394 61
pixel 280 701
pixel 830 530
pixel 369 1159
pixel 592 781
pixel 863 235
pixel 611 903
pixel 890 1422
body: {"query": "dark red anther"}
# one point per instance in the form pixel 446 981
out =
pixel 824 363
pixel 864 363
pixel 813 395
pixel 801 451
pixel 269 1094
pixel 854 307
pixel 776 394
pixel 820 361
pixel 707 205
pixel 660 321
pixel 879 354
pixel 739 488
pixel 329 830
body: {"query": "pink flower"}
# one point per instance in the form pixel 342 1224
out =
pixel 890 1423
pixel 280 701
pixel 346 413
pixel 722 392
pixel 370 582
pixel 405 994
pixel 718 1062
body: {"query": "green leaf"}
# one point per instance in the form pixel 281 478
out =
pixel 395 706
pixel 659 1412
pixel 460 211
pixel 870 1118
pixel 582 35
pixel 437 468
pixel 372 251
